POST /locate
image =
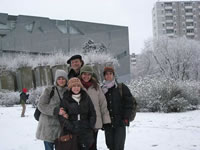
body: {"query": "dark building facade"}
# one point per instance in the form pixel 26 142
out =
pixel 43 35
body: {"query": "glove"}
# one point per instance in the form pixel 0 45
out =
pixel 126 122
pixel 106 126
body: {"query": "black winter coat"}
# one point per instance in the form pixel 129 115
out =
pixel 23 98
pixel 85 110
pixel 120 107
pixel 72 74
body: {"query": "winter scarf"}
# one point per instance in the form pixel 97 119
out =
pixel 76 97
pixel 107 85
pixel 86 84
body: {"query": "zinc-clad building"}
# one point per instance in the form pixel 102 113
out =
pixel 43 35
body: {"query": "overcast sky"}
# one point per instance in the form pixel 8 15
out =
pixel 136 14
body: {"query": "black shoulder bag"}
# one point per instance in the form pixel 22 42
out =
pixel 37 111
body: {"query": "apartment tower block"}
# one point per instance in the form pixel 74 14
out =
pixel 176 19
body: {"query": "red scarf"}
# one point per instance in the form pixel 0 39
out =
pixel 86 84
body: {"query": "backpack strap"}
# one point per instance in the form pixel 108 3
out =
pixel 58 93
pixel 52 92
pixel 120 88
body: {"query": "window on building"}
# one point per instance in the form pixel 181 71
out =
pixel 188 17
pixel 170 24
pixel 190 36
pixel 188 3
pixel 189 23
pixel 168 4
pixel 168 11
pixel 170 31
pixel 190 30
pixel 168 17
pixel 188 10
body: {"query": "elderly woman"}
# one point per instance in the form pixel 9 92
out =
pixel 81 115
pixel 94 90
pixel 49 127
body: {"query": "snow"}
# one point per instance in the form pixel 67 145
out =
pixel 149 131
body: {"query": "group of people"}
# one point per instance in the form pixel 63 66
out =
pixel 81 107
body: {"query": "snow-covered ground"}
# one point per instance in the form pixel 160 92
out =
pixel 149 131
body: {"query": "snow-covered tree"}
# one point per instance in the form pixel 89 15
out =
pixel 176 58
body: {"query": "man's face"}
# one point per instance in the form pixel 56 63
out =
pixel 76 64
pixel 108 76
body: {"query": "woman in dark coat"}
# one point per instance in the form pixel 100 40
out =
pixel 120 108
pixel 81 116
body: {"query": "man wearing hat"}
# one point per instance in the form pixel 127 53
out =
pixel 75 63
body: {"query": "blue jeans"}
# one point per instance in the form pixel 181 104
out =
pixel 48 145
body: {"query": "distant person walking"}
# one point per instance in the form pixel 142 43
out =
pixel 23 99
pixel 49 105
pixel 75 63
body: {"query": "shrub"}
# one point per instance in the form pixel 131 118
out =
pixel 166 95
pixel 9 98
pixel 176 104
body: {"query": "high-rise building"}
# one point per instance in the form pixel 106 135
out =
pixel 176 19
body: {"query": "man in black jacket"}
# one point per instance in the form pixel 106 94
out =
pixel 75 63
pixel 120 108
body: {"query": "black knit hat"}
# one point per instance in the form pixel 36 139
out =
pixel 75 57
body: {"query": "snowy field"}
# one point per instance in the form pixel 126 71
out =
pixel 149 131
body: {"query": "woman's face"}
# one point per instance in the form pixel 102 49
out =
pixel 61 81
pixel 76 89
pixel 108 76
pixel 85 76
